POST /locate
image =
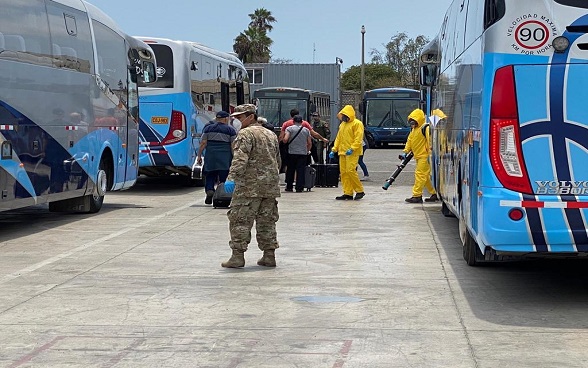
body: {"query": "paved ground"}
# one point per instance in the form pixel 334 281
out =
pixel 364 284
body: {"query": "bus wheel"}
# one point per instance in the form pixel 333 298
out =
pixel 97 198
pixel 471 252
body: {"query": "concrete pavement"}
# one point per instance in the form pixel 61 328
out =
pixel 370 283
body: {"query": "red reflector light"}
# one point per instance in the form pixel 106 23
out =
pixel 516 214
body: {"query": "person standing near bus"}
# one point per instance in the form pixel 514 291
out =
pixel 285 126
pixel 418 143
pixel 319 146
pixel 299 143
pixel 348 145
pixel 254 181
pixel 217 139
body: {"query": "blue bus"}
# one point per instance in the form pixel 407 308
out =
pixel 385 112
pixel 68 104
pixel 194 82
pixel 510 77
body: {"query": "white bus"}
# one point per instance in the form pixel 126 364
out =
pixel 68 104
pixel 510 76
pixel 194 82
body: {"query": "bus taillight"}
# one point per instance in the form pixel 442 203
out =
pixel 506 153
pixel 177 128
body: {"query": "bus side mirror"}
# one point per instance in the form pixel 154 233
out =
pixel 312 107
pixel 428 75
pixel 149 72
pixel 361 108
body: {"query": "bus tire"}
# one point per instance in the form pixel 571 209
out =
pixel 97 198
pixel 471 252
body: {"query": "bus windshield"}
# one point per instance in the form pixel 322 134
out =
pixel 389 113
pixel 277 110
pixel 165 66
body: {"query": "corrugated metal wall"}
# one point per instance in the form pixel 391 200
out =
pixel 317 77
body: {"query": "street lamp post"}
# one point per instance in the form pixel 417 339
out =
pixel 362 61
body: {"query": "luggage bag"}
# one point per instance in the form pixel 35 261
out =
pixel 327 175
pixel 221 199
pixel 309 177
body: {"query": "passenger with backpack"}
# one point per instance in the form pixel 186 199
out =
pixel 419 144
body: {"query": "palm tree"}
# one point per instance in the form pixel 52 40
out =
pixel 253 46
pixel 262 19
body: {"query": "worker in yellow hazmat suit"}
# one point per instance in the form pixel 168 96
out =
pixel 348 145
pixel 418 142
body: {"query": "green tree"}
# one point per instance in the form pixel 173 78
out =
pixel 262 19
pixel 253 44
pixel 402 55
pixel 376 76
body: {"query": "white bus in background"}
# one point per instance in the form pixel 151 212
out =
pixel 194 82
pixel 68 104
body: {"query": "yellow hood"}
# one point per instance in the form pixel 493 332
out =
pixel 347 110
pixel 439 113
pixel 418 115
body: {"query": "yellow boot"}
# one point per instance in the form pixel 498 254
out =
pixel 237 260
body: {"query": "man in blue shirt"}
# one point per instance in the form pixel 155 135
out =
pixel 217 139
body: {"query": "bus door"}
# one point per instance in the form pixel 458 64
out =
pixel 132 131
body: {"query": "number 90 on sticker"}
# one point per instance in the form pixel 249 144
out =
pixel 531 34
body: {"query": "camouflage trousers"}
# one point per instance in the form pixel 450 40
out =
pixel 242 214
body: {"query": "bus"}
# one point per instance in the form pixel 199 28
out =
pixel 385 112
pixel 509 76
pixel 68 104
pixel 193 83
pixel 275 103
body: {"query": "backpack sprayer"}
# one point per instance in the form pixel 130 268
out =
pixel 398 170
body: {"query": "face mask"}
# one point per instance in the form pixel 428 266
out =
pixel 236 122
pixel 345 118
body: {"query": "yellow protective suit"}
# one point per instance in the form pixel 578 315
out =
pixel 418 143
pixel 350 135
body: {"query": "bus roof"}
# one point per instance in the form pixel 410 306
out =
pixel 288 89
pixel 391 90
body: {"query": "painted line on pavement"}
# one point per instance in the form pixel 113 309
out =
pixel 61 256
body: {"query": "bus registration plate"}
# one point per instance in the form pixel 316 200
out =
pixel 159 120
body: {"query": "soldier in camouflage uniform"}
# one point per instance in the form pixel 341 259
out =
pixel 318 146
pixel 254 178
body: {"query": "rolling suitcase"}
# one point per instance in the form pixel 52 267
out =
pixel 309 177
pixel 221 199
pixel 327 175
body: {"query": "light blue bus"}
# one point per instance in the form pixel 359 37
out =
pixel 511 76
pixel 68 104
pixel 194 82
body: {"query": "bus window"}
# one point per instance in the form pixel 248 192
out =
pixel 70 33
pixel 165 66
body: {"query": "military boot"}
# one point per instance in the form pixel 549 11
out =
pixel 237 260
pixel 268 259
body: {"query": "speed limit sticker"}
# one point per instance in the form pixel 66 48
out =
pixel 532 34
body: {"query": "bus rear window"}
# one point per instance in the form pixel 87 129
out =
pixel 165 66
pixel 574 3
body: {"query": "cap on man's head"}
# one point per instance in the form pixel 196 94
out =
pixel 222 114
pixel 315 113
pixel 297 119
pixel 241 109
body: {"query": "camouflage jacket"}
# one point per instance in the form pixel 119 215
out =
pixel 322 128
pixel 256 162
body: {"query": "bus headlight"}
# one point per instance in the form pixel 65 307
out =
pixel 178 133
pixel 560 44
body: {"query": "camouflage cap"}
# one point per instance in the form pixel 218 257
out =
pixel 241 109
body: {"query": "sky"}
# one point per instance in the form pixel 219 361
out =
pixel 306 31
